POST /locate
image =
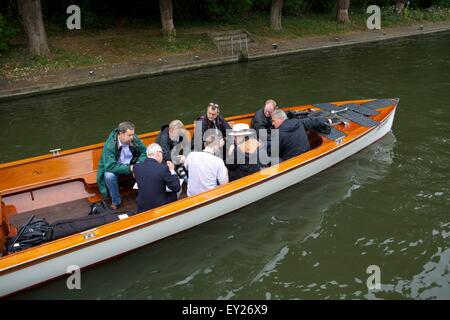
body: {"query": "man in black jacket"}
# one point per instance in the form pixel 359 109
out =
pixel 293 139
pixel 263 121
pixel 153 178
pixel 263 117
pixel 173 138
pixel 210 120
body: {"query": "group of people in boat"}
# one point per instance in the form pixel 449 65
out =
pixel 220 154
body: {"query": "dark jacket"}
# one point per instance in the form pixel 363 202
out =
pixel 220 123
pixel 245 159
pixel 152 179
pixel 167 144
pixel 293 136
pixel 260 121
pixel 110 156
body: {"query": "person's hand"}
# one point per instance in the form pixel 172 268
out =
pixel 181 158
pixel 330 122
pixel 231 149
pixel 221 142
pixel 170 165
pixel 131 168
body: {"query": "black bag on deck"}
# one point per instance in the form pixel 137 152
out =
pixel 99 207
pixel 64 228
pixel 33 233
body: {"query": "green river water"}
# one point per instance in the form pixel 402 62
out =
pixel 386 206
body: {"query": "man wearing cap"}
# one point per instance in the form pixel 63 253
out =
pixel 211 120
pixel 121 151
pixel 243 157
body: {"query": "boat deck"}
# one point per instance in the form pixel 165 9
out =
pixel 69 210
pixel 76 209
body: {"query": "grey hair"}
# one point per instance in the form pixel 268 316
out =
pixel 124 126
pixel 272 102
pixel 212 105
pixel 176 124
pixel 279 114
pixel 152 149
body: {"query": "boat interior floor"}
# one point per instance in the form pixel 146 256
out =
pixel 69 210
pixel 76 209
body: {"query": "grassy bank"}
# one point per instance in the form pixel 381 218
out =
pixel 141 42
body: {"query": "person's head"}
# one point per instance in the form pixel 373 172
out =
pixel 126 132
pixel 212 142
pixel 175 129
pixel 269 107
pixel 154 151
pixel 278 117
pixel 212 111
pixel 240 131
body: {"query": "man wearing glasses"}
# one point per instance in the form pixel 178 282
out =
pixel 212 120
pixel 158 183
pixel 121 151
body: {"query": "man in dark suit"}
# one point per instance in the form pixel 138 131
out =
pixel 153 178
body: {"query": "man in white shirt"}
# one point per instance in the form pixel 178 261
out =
pixel 205 170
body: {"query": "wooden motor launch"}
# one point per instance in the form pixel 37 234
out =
pixel 63 185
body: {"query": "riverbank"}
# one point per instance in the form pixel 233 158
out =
pixel 97 70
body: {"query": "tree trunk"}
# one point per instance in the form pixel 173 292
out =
pixel 399 5
pixel 342 11
pixel 275 14
pixel 166 10
pixel 34 26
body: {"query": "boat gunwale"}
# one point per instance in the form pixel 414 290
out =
pixel 147 219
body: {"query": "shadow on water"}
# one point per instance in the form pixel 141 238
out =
pixel 233 256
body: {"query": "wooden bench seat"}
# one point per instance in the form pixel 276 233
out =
pixel 90 179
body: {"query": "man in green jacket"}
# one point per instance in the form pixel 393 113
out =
pixel 121 151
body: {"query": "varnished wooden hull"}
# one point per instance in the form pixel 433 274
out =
pixel 33 266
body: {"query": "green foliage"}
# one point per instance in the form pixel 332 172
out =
pixel 296 7
pixel 228 10
pixel 90 20
pixel 6 33
pixel 61 58
pixel 442 3
pixel 182 43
